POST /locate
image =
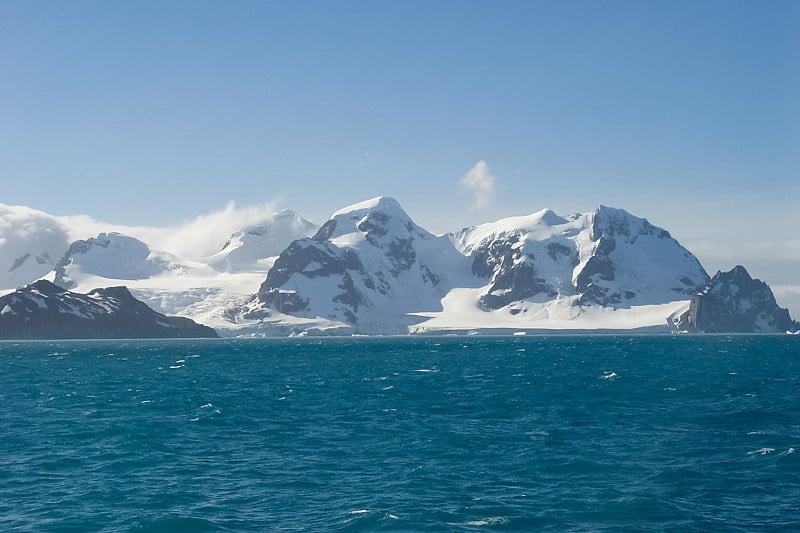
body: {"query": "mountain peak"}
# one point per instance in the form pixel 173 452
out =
pixel 371 219
pixel 615 222
pixel 43 286
pixel 379 203
pixel 549 217
pixel 737 272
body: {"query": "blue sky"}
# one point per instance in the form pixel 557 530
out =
pixel 153 112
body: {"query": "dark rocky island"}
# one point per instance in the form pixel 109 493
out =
pixel 734 302
pixel 43 310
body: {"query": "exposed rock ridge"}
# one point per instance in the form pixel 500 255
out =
pixel 44 310
pixel 734 302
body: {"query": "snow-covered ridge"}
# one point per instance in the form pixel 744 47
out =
pixel 608 257
pixel 111 256
pixel 370 269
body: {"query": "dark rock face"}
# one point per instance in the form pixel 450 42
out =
pixel 733 302
pixel 312 257
pixel 43 310
pixel 613 222
pixel 599 268
pixel 512 272
pixel 324 233
pixel 42 259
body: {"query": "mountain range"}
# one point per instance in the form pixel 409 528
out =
pixel 370 269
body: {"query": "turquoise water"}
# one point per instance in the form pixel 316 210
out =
pixel 402 434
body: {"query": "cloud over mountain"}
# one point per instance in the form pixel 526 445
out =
pixel 479 182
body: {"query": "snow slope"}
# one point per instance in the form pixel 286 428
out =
pixel 254 248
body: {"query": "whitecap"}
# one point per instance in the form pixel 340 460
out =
pixel 390 387
pixel 359 511
pixel 761 451
pixel 181 361
pixel 488 521
pixel 206 406
pixel 608 375
pixel 146 401
pixel 175 366
pixel 427 370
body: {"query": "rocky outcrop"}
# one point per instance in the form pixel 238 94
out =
pixel 44 310
pixel 734 302
pixel 511 270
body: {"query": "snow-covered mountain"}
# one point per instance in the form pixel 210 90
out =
pixel 35 245
pixel 369 268
pixel 111 256
pixel 608 258
pixel 254 248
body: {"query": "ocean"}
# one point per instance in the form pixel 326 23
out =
pixel 561 433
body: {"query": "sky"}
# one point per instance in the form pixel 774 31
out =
pixel 152 113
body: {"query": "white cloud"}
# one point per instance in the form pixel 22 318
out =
pixel 31 242
pixel 199 237
pixel 480 183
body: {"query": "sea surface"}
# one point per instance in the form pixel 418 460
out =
pixel 600 433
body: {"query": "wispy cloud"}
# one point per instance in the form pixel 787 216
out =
pixel 479 182
pixel 198 237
